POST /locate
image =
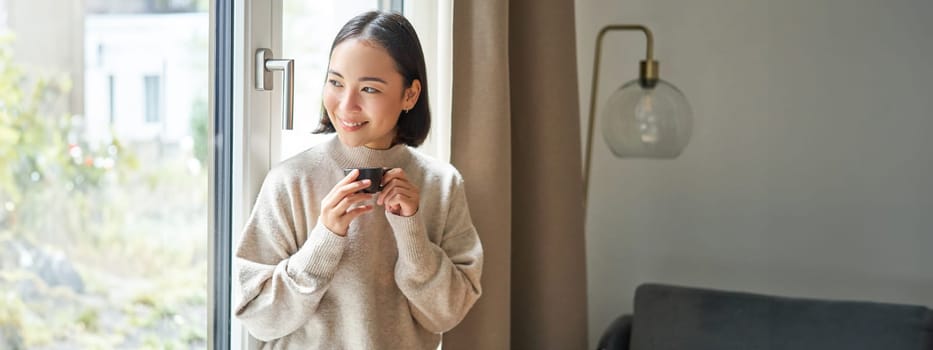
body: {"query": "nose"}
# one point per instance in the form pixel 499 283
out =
pixel 349 101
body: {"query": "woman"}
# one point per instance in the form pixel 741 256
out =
pixel 319 266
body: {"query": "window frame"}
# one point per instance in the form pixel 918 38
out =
pixel 220 174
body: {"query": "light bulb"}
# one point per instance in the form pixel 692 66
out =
pixel 647 122
pixel 648 128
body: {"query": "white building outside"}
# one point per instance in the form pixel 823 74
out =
pixel 150 94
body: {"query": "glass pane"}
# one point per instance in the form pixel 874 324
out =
pixel 308 30
pixel 103 193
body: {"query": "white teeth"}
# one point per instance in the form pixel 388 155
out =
pixel 344 122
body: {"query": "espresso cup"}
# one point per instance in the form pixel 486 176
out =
pixel 374 175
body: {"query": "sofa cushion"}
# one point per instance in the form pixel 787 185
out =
pixel 672 317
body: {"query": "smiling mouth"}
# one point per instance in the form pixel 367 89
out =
pixel 351 126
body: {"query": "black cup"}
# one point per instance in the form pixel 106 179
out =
pixel 373 174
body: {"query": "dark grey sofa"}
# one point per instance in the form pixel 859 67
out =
pixel 670 317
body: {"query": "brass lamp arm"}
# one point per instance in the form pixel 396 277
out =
pixel 648 76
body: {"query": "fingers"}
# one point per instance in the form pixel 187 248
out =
pixel 344 187
pixel 344 205
pixel 356 212
pixel 392 174
pixel 340 206
pixel 387 186
pixel 402 205
pixel 351 188
pixel 396 191
pixel 397 180
pixel 337 217
pixel 348 185
pixel 336 211
pixel 342 190
pixel 399 195
pixel 349 178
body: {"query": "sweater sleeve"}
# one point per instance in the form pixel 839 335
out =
pixel 441 280
pixel 281 278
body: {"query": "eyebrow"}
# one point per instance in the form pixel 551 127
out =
pixel 376 79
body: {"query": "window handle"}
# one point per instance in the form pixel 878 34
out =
pixel 265 65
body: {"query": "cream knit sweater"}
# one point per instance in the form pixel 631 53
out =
pixel 392 283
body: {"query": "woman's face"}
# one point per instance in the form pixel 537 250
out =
pixel 364 94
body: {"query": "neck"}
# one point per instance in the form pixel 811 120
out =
pixel 365 156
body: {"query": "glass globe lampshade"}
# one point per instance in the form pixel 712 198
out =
pixel 643 121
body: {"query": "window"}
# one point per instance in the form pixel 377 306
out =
pixel 152 98
pixel 103 219
pixel 111 101
pixel 103 142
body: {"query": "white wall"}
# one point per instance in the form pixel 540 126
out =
pixel 810 172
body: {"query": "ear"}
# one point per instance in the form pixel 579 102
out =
pixel 411 94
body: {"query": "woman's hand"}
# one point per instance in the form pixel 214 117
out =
pixel 336 211
pixel 399 195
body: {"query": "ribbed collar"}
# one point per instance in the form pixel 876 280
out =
pixel 359 157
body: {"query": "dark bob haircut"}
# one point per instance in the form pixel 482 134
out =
pixel 394 33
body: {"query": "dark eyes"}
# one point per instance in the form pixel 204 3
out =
pixel 367 89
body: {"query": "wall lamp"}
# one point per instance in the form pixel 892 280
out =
pixel 644 118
